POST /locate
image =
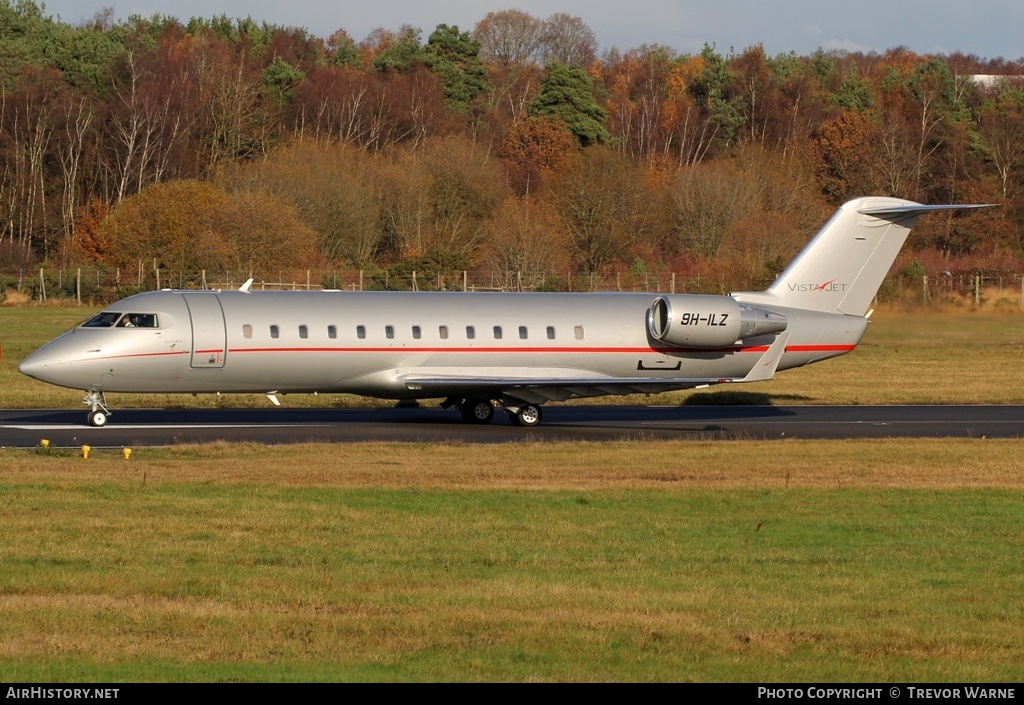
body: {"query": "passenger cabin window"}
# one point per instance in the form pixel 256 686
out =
pixel 470 332
pixel 275 332
pixel 137 320
pixel 579 332
pixel 497 332
pixel 523 333
pixel 360 332
pixel 389 332
pixel 551 332
pixel 332 332
pixel 104 319
pixel 442 332
pixel 303 331
pixel 416 332
pixel 246 331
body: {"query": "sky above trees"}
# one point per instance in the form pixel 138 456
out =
pixel 990 29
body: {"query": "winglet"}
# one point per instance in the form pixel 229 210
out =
pixel 769 362
pixel 245 287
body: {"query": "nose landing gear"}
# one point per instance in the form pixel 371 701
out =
pixel 99 413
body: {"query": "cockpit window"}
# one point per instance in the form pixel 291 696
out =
pixel 104 319
pixel 138 320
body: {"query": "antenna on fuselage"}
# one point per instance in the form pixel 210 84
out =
pixel 245 287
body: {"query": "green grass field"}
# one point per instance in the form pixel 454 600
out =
pixel 721 561
pixel 707 561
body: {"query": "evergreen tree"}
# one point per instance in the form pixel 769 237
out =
pixel 402 55
pixel 565 94
pixel 455 57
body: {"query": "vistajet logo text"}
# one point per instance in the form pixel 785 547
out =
pixel 827 286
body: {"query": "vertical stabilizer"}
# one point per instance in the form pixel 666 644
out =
pixel 842 267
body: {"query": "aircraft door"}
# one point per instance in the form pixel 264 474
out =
pixel 209 332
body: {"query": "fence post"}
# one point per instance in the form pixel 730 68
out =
pixel 78 286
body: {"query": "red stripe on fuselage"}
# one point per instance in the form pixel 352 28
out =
pixel 631 351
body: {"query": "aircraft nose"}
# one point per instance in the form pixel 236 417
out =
pixel 31 366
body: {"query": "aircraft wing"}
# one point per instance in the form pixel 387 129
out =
pixel 540 388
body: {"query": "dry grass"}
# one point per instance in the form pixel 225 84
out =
pixel 721 465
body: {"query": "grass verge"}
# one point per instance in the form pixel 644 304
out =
pixel 710 561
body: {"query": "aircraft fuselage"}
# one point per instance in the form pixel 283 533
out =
pixel 369 343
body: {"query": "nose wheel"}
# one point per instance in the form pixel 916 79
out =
pixel 99 413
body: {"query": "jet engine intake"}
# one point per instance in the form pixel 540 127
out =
pixel 692 321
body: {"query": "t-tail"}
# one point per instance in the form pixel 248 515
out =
pixel 842 267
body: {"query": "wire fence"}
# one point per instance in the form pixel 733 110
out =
pixel 98 286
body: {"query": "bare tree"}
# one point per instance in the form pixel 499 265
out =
pixel 78 116
pixel 509 37
pixel 568 40
pixel 707 200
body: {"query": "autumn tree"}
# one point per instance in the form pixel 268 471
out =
pixel 638 104
pixel 842 162
pixel 1001 123
pixel 532 147
pixel 708 199
pixel 88 243
pixel 603 209
pixel 332 189
pixel 190 225
pixel 465 187
pixel 526 237
pixel 263 233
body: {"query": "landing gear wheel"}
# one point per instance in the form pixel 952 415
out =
pixel 98 413
pixel 527 415
pixel 477 411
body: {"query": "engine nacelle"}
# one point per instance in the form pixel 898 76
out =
pixel 695 321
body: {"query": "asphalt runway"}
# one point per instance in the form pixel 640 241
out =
pixel 158 427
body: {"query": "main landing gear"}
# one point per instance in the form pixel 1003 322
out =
pixel 481 411
pixel 99 413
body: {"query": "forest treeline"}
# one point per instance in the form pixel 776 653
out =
pixel 232 144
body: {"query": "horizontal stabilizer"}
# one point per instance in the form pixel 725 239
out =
pixel 913 211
